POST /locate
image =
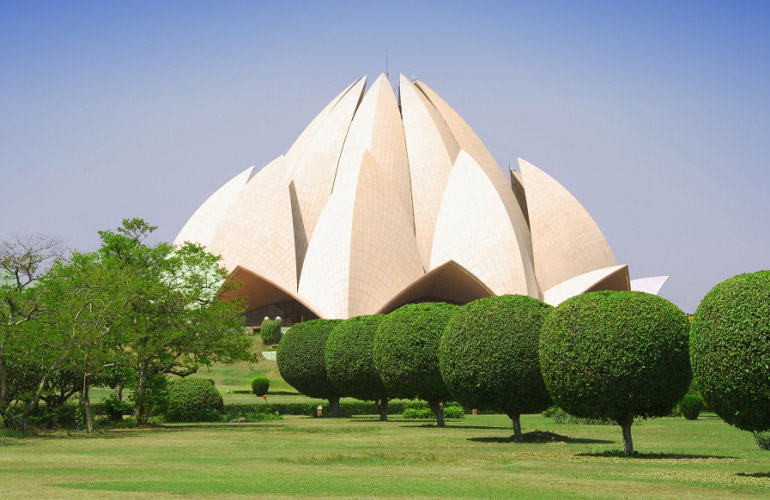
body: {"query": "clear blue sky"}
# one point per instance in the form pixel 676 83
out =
pixel 655 115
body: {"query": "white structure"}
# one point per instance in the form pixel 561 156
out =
pixel 380 202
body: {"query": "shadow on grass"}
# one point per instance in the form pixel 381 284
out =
pixel 451 425
pixel 654 456
pixel 540 437
pixel 218 425
pixel 753 474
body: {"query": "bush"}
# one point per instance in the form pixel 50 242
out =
pixel 115 408
pixel 193 400
pixel 560 416
pixel 691 406
pixel 616 355
pixel 301 361
pixel 762 439
pixel 405 352
pixel 489 356
pixel 270 331
pixel 260 385
pixel 454 412
pixel 730 350
pixel 349 362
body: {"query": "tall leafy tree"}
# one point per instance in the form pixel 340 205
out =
pixel 29 355
pixel 85 300
pixel 175 319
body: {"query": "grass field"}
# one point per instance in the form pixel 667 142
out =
pixel 303 457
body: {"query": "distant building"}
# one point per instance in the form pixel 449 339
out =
pixel 382 202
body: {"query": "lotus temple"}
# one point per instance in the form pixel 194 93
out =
pixel 385 200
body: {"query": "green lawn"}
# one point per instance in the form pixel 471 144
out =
pixel 303 457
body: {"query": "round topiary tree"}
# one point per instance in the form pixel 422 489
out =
pixel 270 331
pixel 260 385
pixel 349 362
pixel 193 400
pixel 730 350
pixel 301 362
pixel 405 353
pixel 616 355
pixel 489 356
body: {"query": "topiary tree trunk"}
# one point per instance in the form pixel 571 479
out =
pixel 334 406
pixel 437 407
pixel 628 443
pixel 382 405
pixel 517 436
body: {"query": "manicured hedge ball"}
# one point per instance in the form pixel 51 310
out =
pixel 260 385
pixel 730 350
pixel 193 399
pixel 349 362
pixel 301 361
pixel 489 355
pixel 406 350
pixel 616 355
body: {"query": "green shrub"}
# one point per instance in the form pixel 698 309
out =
pixel 405 352
pixel 115 408
pixel 691 406
pixel 348 408
pixel 453 412
pixel 763 439
pixel 560 416
pixel 260 385
pixel 730 350
pixel 193 400
pixel 489 356
pixel 270 331
pixel 349 362
pixel 616 355
pixel 301 361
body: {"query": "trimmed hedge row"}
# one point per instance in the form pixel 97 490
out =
pixel 348 408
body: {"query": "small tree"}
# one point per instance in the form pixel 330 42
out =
pixel 349 362
pixel 301 362
pixel 405 353
pixel 616 355
pixel 270 331
pixel 730 350
pixel 489 356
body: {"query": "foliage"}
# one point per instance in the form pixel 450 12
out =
pixel 270 331
pixel 175 320
pixel 691 406
pixel 405 351
pixel 730 350
pixel 193 400
pixel 300 358
pixel 260 385
pixel 763 439
pixel 452 411
pixel 489 355
pixel 560 416
pixel 155 395
pixel 115 408
pixel 348 408
pixel 616 355
pixel 348 358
